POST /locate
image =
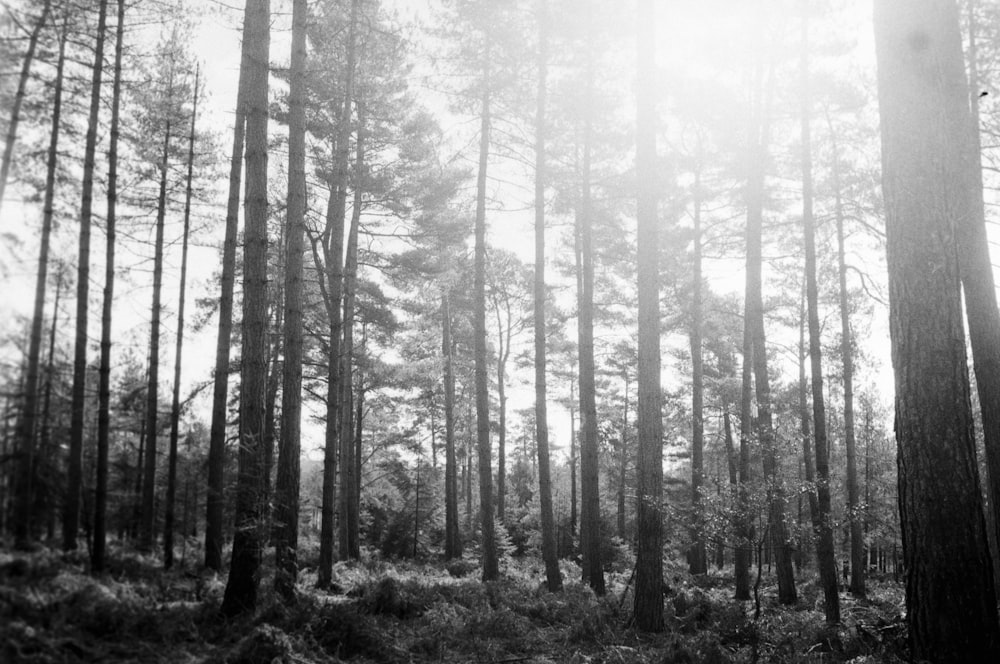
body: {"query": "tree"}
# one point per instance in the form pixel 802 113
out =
pixel 287 490
pixel 26 478
pixel 821 518
pixel 552 575
pixel 104 388
pixel 453 540
pixel 927 179
pixel 214 500
pixel 649 462
pixel 22 84
pixel 71 513
pixel 241 586
pixel 175 409
pixel 590 508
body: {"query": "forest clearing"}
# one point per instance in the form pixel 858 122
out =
pixel 500 331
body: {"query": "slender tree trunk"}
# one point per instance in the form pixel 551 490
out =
pixel 26 476
pixel 104 389
pixel 490 563
pixel 549 551
pixel 45 439
pixel 572 465
pixel 22 85
pixel 698 558
pixel 929 188
pixel 744 526
pixel 503 352
pixel 649 461
pixel 453 540
pixel 215 500
pixel 847 359
pixel 241 586
pixel 333 246
pixel 805 416
pixel 623 463
pixel 980 298
pixel 71 515
pixel 286 502
pixel 824 528
pixel 590 531
pixel 175 410
pixel 349 507
pixel 146 526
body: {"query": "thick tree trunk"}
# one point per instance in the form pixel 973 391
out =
pixel 823 526
pixel 146 525
pixel 71 514
pixel 215 500
pixel 649 461
pixel 26 477
pixel 590 530
pixel 175 410
pixel 744 526
pixel 286 512
pixel 104 390
pixel 928 180
pixel 241 586
pixel 549 552
pixel 490 563
pixel 453 539
pixel 22 85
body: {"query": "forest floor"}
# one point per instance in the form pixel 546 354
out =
pixel 51 611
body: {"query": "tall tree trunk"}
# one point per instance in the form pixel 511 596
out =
pixel 175 410
pixel 45 439
pixel 697 557
pixel 805 417
pixel 333 248
pixel 26 476
pixel 503 353
pixel 980 298
pixel 241 586
pixel 649 461
pixel 452 538
pixel 71 514
pixel 104 390
pixel 490 563
pixel 590 531
pixel 744 526
pixel 928 183
pixel 549 551
pixel 824 528
pixel 777 527
pixel 349 507
pixel 215 500
pixel 146 525
pixel 623 462
pixel 286 512
pixel 847 359
pixel 22 85
pixel 572 464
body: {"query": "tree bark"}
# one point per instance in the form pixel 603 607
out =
pixel 71 514
pixel 241 586
pixel 286 513
pixel 590 530
pixel 146 525
pixel 26 478
pixel 824 528
pixel 22 85
pixel 980 300
pixel 649 461
pixel 175 410
pixel 97 554
pixel 928 176
pixel 453 540
pixel 349 504
pixel 549 551
pixel 491 569
pixel 215 500
pixel 697 556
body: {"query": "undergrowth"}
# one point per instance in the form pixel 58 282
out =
pixel 51 610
